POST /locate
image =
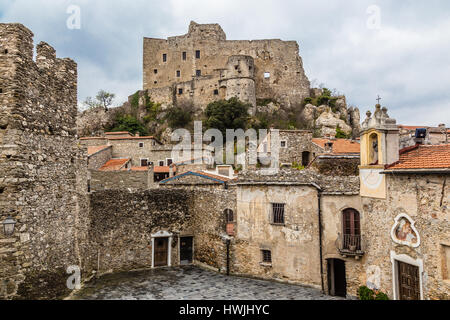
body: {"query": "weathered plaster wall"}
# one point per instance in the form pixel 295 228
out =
pixel 425 198
pixel 294 246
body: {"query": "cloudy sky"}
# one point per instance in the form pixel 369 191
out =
pixel 362 48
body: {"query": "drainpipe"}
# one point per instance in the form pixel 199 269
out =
pixel 228 256
pixel 319 199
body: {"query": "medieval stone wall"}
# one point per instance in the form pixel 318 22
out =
pixel 41 168
pixel 120 180
pixel 122 224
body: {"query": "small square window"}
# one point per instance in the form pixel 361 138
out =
pixel 184 56
pixel 169 162
pixel 284 144
pixel 155 71
pixel 180 91
pixel 266 75
pixel 197 54
pixel 266 256
pixel 141 145
pixel 1 90
pixel 144 162
pixel 178 73
pixel 216 92
pixel 161 163
pixel 198 73
pixel 164 57
pixel 278 213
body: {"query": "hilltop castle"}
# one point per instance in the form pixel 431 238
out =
pixel 203 66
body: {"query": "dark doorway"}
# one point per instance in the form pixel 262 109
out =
pixel 161 252
pixel 408 281
pixel 337 283
pixel 186 250
pixel 305 158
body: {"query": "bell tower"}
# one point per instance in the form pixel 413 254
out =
pixel 379 147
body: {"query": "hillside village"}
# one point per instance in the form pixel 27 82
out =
pixel 370 210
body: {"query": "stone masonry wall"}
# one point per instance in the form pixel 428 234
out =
pixel 97 160
pixel 120 180
pixel 122 224
pixel 39 161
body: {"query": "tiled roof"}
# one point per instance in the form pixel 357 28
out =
pixel 339 145
pixel 114 164
pixel 413 128
pixel 92 138
pixel 423 157
pixel 115 133
pixel 132 138
pixel 157 169
pixel 94 149
pixel 209 176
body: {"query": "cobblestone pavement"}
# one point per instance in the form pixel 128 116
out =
pixel 190 283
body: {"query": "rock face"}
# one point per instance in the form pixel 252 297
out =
pixel 329 121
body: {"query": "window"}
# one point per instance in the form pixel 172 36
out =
pixel 180 91
pixel 266 75
pixel 141 144
pixel 351 230
pixel 229 215
pixel 178 73
pixel 1 90
pixel 144 162
pixel 155 71
pixel 278 213
pixel 164 57
pixel 161 163
pixel 89 186
pixel 284 144
pixel 216 92
pixel 184 56
pixel 197 54
pixel 266 256
pixel 198 73
pixel 169 162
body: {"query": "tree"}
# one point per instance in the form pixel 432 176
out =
pixel 227 114
pixel 128 123
pixel 103 99
pixel 180 116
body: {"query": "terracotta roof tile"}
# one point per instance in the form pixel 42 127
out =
pixel 339 145
pixel 114 164
pixel 94 149
pixel 423 157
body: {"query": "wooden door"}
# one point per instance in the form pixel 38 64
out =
pixel 337 282
pixel 161 252
pixel 186 246
pixel 408 282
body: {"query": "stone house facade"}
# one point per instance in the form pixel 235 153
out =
pixel 203 66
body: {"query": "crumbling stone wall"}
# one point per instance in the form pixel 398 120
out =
pixel 278 69
pixel 97 160
pixel 41 168
pixel 341 166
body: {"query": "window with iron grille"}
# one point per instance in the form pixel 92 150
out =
pixel 164 57
pixel 278 213
pixel 197 54
pixel 266 256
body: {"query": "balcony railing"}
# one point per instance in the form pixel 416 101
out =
pixel 350 245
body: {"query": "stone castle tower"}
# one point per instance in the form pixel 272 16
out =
pixel 40 162
pixel 203 66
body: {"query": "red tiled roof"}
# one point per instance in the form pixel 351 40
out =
pixel 114 164
pixel 423 157
pixel 114 133
pixel 94 149
pixel 339 145
pixel 92 138
pixel 132 138
pixel 413 128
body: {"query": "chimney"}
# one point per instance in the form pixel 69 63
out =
pixel 151 176
pixel 171 171
pixel 329 147
pixel 137 135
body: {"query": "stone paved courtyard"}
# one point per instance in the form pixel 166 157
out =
pixel 190 283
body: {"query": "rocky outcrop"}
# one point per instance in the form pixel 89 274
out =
pixel 329 121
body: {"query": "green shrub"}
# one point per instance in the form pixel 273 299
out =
pixel 128 123
pixel 365 293
pixel 227 114
pixel 341 134
pixel 298 166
